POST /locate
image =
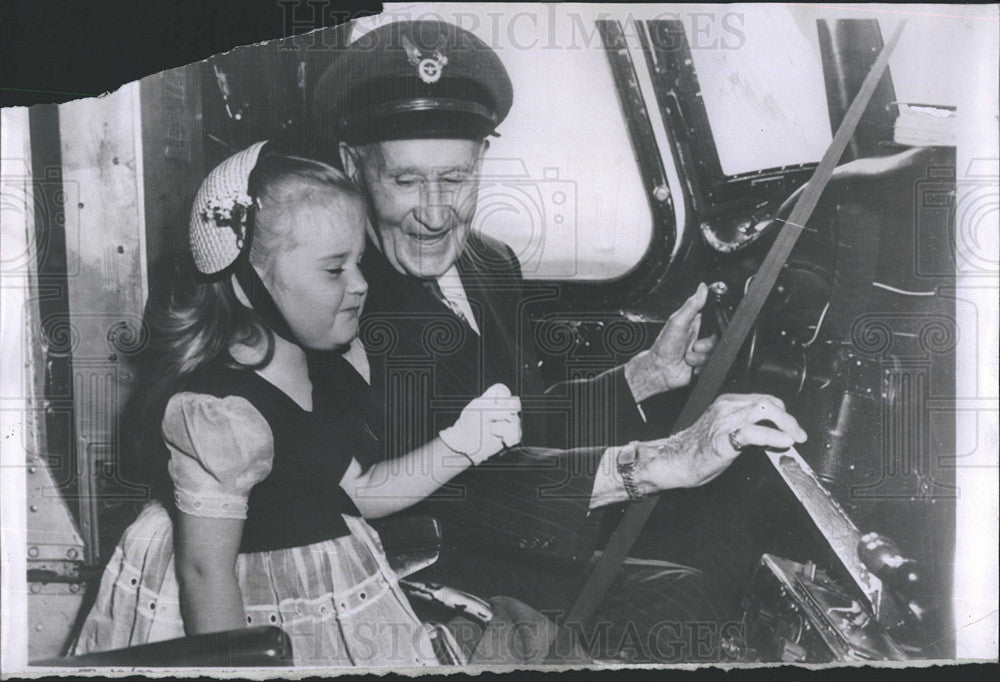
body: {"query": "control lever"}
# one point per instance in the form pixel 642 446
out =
pixel 718 306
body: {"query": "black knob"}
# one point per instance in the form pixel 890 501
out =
pixel 899 574
pixel 718 306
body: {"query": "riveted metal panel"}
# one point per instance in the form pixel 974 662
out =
pixel 102 161
pixel 44 540
pixel 52 612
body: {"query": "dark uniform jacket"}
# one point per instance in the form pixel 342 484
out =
pixel 526 507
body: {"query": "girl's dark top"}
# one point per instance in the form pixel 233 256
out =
pixel 301 501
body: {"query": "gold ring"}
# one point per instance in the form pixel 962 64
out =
pixel 738 446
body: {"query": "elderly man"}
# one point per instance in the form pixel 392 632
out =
pixel 408 109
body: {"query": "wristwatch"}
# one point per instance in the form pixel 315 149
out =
pixel 628 457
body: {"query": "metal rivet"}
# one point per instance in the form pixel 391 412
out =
pixel 74 588
pixel 661 193
pixel 32 470
pixel 39 627
pixel 32 551
pixel 71 553
pixel 33 507
pixel 35 588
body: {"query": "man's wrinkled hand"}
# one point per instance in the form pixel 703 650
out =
pixel 705 449
pixel 676 355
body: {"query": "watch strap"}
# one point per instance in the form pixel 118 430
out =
pixel 627 460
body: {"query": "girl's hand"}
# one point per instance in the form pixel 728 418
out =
pixel 486 426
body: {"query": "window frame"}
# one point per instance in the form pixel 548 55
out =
pixel 663 254
pixel 714 194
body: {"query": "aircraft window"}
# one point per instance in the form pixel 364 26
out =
pixel 561 184
pixel 926 66
pixel 766 101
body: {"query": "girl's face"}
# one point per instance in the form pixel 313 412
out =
pixel 312 244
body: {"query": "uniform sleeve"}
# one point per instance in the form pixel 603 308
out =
pixel 605 399
pixel 219 449
pixel 533 500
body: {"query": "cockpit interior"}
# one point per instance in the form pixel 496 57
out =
pixel 654 150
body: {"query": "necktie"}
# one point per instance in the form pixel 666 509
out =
pixel 435 288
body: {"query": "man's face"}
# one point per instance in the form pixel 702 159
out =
pixel 423 196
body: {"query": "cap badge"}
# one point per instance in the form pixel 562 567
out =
pixel 429 68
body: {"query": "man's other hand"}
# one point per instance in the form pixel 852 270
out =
pixel 676 354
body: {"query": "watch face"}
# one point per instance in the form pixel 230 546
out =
pixel 627 456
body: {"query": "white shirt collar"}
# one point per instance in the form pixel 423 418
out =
pixel 356 355
pixel 451 286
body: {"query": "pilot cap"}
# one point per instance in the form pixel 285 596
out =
pixel 412 79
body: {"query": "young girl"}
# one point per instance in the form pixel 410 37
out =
pixel 263 521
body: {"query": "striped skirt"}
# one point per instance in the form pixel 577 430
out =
pixel 338 600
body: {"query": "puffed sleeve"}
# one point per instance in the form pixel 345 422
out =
pixel 219 449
